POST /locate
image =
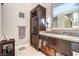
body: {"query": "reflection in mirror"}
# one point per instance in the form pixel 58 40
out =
pixel 72 20
pixel 68 20
pixel 76 19
pixel 45 22
pixel 55 22
pixel 66 16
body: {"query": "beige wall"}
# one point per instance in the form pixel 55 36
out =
pixel 11 20
pixel 0 20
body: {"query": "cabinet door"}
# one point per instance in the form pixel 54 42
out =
pixel 34 26
pixel 0 49
pixel 61 46
pixel 35 40
pixel 42 14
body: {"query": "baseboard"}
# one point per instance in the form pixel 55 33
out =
pixel 21 46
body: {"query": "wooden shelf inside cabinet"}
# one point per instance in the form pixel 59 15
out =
pixel 35 17
pixel 47 51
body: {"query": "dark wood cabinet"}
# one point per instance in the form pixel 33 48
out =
pixel 59 45
pixel 7 47
pixel 37 14
pixel 45 46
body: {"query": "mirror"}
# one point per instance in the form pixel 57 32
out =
pixel 65 15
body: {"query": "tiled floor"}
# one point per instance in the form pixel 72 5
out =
pixel 29 51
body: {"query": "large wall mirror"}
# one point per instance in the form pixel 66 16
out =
pixel 65 15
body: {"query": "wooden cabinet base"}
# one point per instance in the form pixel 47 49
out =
pixel 7 47
pixel 48 51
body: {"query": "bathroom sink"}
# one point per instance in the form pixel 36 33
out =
pixel 76 34
pixel 54 32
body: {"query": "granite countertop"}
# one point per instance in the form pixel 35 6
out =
pixel 63 37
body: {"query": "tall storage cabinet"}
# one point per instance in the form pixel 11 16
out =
pixel 37 23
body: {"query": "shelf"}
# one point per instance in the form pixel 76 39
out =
pixel 48 51
pixel 34 26
pixel 34 18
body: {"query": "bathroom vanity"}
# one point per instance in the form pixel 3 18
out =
pixel 60 42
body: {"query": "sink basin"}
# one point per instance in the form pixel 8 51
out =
pixel 54 32
pixel 76 34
